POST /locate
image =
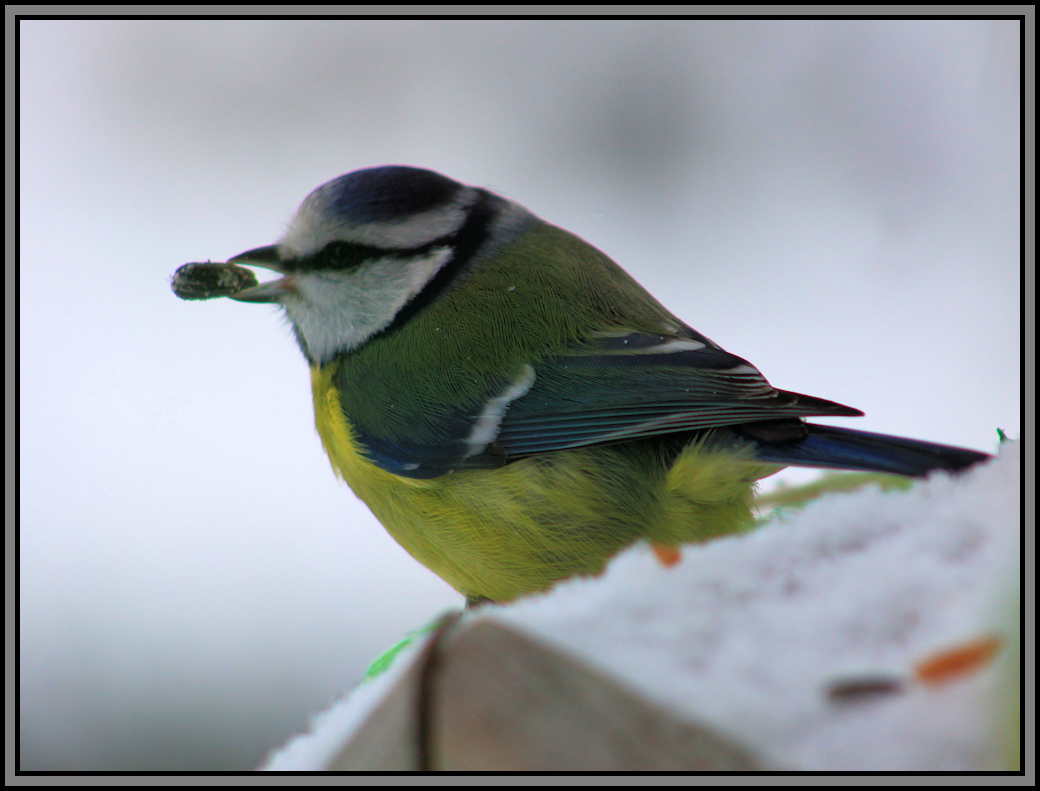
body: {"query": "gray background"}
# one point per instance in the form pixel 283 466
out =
pixel 836 201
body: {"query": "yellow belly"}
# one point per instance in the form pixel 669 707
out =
pixel 505 532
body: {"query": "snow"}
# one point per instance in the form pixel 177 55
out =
pixel 748 633
pixel 331 729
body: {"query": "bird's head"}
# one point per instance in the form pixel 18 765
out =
pixel 363 248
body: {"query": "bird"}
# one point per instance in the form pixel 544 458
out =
pixel 510 403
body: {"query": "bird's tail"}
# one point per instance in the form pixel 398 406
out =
pixel 847 449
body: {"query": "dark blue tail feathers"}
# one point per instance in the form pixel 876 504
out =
pixel 847 449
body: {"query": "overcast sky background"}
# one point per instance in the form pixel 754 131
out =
pixel 837 202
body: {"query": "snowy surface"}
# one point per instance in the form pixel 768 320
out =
pixel 747 633
pixel 333 728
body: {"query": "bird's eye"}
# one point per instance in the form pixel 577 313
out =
pixel 342 256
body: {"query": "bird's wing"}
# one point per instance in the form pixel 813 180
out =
pixel 618 386
pixel 631 385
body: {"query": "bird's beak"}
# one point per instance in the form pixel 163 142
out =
pixel 272 291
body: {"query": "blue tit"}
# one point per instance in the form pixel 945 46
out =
pixel 511 404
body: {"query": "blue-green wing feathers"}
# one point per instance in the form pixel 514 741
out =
pixel 654 385
pixel 617 387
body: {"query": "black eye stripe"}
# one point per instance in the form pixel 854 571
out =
pixel 340 256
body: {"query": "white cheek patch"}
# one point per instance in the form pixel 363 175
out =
pixel 316 225
pixel 339 311
pixel 485 429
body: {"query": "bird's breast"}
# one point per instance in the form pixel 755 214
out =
pixel 501 533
